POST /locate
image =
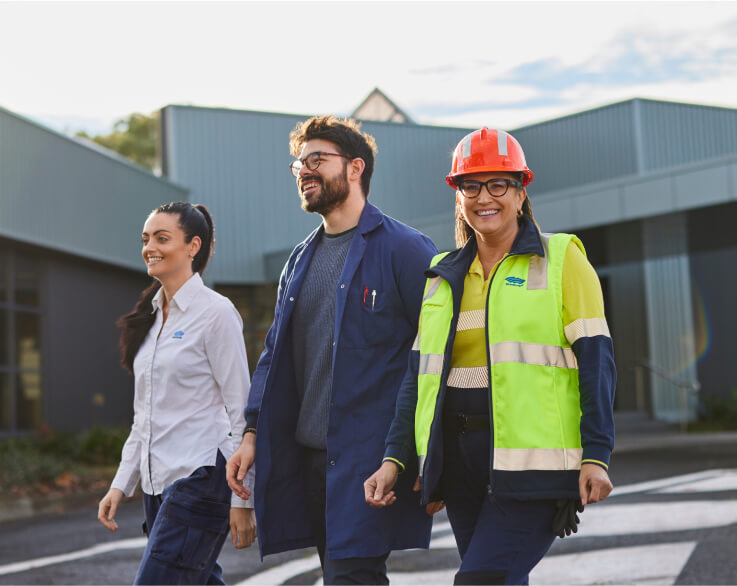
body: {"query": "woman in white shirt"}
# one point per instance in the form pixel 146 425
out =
pixel 183 343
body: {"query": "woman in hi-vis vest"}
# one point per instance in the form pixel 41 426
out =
pixel 508 397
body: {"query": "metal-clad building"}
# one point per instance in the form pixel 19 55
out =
pixel 645 183
pixel 70 223
pixel 651 188
pixel 237 162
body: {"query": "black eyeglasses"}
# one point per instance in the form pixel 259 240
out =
pixel 496 187
pixel 311 161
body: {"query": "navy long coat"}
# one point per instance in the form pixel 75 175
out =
pixel 372 340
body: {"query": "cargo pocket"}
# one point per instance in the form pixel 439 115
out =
pixel 190 531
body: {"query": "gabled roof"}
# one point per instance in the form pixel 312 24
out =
pixel 378 107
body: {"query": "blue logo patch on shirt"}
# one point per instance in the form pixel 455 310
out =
pixel 178 335
pixel 514 281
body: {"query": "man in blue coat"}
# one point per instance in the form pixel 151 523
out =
pixel 324 390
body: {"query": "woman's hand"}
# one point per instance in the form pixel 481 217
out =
pixel 242 527
pixel 593 484
pixel 238 465
pixel 108 507
pixel 378 488
pixel 432 507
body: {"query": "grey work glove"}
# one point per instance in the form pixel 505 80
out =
pixel 565 520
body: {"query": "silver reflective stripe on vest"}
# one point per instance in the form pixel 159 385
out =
pixel 501 142
pixel 431 364
pixel 421 464
pixel 537 274
pixel 469 378
pixel 433 288
pixel 471 320
pixel 528 353
pixel 416 343
pixel 586 328
pixel 517 460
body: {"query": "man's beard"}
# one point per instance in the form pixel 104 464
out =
pixel 332 193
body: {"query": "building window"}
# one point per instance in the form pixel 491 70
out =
pixel 20 341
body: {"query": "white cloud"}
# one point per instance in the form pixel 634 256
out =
pixel 103 60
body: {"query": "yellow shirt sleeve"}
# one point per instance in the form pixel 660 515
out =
pixel 582 297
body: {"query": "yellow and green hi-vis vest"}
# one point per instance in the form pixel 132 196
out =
pixel 535 403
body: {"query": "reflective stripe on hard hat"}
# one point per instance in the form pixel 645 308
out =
pixel 466 148
pixel 501 143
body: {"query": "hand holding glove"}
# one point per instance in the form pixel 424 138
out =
pixel 565 520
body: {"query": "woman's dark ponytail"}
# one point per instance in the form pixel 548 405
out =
pixel 194 220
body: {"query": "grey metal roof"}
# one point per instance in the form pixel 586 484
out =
pixel 627 160
pixel 62 193
pixel 237 163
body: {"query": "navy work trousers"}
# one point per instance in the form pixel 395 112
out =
pixel 186 527
pixel 500 540
pixel 344 571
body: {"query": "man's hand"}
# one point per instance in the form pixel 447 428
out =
pixel 239 463
pixel 378 487
pixel 108 507
pixel 242 527
pixel 593 484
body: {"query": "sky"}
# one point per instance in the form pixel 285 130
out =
pixel 83 65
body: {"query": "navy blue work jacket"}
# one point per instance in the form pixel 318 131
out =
pixel 372 339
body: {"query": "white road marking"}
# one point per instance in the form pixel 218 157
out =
pixel 282 573
pixel 598 520
pixel 646 564
pixel 719 481
pixel 672 484
pixel 638 518
pixel 649 564
pixel 135 543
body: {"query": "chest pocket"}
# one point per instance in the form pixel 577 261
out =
pixel 378 315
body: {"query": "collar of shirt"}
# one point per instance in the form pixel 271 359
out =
pixel 184 296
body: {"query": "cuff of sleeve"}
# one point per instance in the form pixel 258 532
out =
pixel 395 453
pixel 237 502
pixel 252 419
pixel 596 454
pixel 397 462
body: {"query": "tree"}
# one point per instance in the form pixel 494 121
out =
pixel 135 137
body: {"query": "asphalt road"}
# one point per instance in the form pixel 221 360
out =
pixel 671 520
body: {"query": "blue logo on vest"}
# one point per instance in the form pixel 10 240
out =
pixel 178 335
pixel 514 281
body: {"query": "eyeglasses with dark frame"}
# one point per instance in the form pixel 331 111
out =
pixel 311 161
pixel 496 187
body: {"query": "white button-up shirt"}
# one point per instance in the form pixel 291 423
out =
pixel 191 385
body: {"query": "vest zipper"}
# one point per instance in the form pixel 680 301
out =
pixel 490 487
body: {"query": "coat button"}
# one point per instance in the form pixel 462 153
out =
pixel 291 299
pixel 342 285
pixel 332 462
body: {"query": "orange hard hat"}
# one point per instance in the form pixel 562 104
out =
pixel 488 149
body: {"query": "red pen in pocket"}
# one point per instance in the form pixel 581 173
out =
pixel 365 294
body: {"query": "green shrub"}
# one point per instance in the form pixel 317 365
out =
pixel 718 413
pixel 101 445
pixel 41 458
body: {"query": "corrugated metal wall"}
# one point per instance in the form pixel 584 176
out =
pixel 237 163
pixel 673 372
pixel 583 148
pixel 674 134
pixel 58 193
